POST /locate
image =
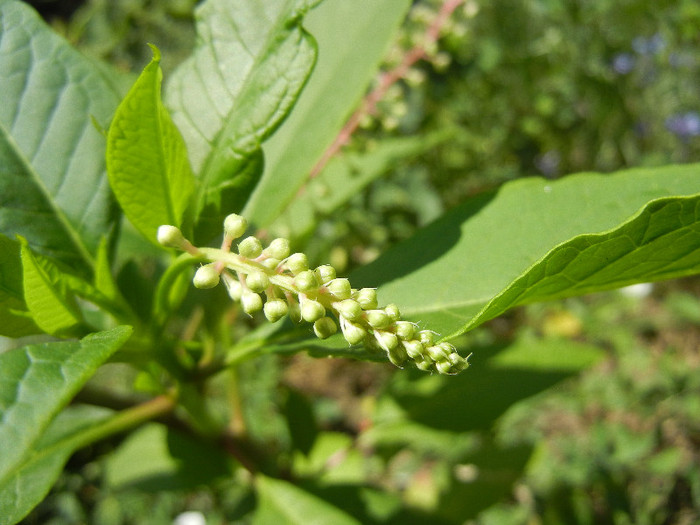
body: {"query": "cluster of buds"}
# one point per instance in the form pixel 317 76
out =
pixel 278 283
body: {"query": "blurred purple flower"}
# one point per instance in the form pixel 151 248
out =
pixel 684 124
pixel 648 46
pixel 623 63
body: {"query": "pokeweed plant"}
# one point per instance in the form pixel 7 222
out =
pixel 180 170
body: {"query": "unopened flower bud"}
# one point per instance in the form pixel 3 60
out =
pixel 275 309
pixel 349 309
pixel 295 312
pixel 367 297
pixel 378 319
pixel 427 337
pixel 386 340
pixel 306 281
pixel 233 287
pixel 312 310
pixel 251 302
pixel 340 288
pixel 206 277
pixel 393 312
pixel 397 356
pixel 250 247
pixel 271 263
pixel 171 236
pixel 445 367
pixel 278 249
pixel 439 352
pixel 325 327
pixel 235 226
pixel 414 349
pixel 353 333
pixel 405 330
pixel 257 281
pixel 325 273
pixel 297 263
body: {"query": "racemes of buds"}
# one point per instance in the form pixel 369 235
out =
pixel 271 280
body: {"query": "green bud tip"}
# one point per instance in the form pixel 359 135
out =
pixel 295 312
pixel 340 288
pixel 367 297
pixel 271 263
pixel 235 226
pixel 170 236
pixel 378 319
pixel 233 287
pixel 275 309
pixel 251 302
pixel 312 310
pixel 393 312
pixel 325 327
pixel 349 309
pixel 257 281
pixel 306 281
pixel 405 330
pixel 206 277
pixel 353 333
pixel 386 340
pixel 414 350
pixel 250 247
pixel 278 249
pixel 297 263
pixel 325 273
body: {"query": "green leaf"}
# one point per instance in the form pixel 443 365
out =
pixel 146 157
pixel 353 38
pixel 53 188
pixel 281 503
pixel 15 319
pixel 251 62
pixel 36 382
pixel 536 240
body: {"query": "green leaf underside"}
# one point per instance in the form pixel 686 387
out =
pixel 251 62
pixel 15 320
pixel 53 188
pixel 146 157
pixel 36 382
pixel 282 503
pixel 345 176
pixel 536 240
pixel 352 39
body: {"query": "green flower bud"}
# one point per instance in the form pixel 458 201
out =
pixel 353 333
pixel 446 368
pixel 393 312
pixel 439 352
pixel 171 236
pixel 340 288
pixel 367 297
pixel 306 281
pixel 275 309
pixel 233 287
pixel 349 309
pixel 397 356
pixel 297 263
pixel 426 365
pixel 378 319
pixel 250 247
pixel 295 312
pixel 325 273
pixel 427 337
pixel 257 281
pixel 325 327
pixel 386 340
pixel 251 302
pixel 414 349
pixel 271 263
pixel 206 277
pixel 235 226
pixel 312 310
pixel 405 330
pixel 278 249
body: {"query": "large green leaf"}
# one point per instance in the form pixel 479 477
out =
pixel 146 157
pixel 36 382
pixel 15 319
pixel 53 188
pixel 281 503
pixel 535 240
pixel 352 38
pixel 251 61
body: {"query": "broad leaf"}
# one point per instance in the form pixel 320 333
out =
pixel 535 240
pixel 251 62
pixel 281 503
pixel 146 157
pixel 15 319
pixel 53 188
pixel 36 382
pixel 352 38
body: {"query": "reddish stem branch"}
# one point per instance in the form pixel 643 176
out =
pixel 369 103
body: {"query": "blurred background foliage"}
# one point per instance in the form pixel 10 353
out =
pixel 582 411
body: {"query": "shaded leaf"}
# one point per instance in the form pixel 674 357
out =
pixel 53 188
pixel 36 382
pixel 535 240
pixel 146 157
pixel 251 62
pixel 353 38
pixel 15 319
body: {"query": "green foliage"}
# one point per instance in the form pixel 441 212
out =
pixel 248 124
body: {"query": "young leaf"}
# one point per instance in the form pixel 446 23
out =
pixel 352 38
pixel 15 319
pixel 251 62
pixel 53 188
pixel 146 157
pixel 282 503
pixel 36 382
pixel 536 240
